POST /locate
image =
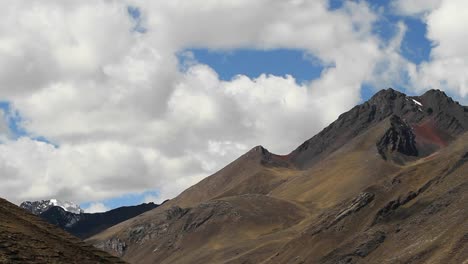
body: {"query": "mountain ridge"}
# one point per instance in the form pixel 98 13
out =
pixel 85 225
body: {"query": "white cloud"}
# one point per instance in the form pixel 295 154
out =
pixel 414 7
pixel 96 208
pixel 5 132
pixel 153 198
pixel 127 120
pixel 449 57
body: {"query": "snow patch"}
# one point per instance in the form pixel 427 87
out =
pixel 416 102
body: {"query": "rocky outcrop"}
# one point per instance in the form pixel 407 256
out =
pixel 356 204
pixel 344 210
pixel 269 159
pixel 114 245
pixel 370 243
pixel 398 138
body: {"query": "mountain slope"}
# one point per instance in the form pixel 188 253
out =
pixel 85 225
pixel 385 183
pixel 245 168
pixel 25 238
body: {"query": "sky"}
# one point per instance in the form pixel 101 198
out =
pixel 117 102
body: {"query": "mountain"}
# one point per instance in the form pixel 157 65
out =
pixel 435 117
pixel 38 207
pixel 85 225
pixel 385 183
pixel 25 238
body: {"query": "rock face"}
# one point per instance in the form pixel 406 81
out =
pixel 113 245
pixel 398 138
pixel 385 183
pixel 269 159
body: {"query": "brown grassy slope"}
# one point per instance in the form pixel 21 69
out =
pixel 341 175
pixel 209 232
pixel 25 238
pixel 417 215
pixel 253 164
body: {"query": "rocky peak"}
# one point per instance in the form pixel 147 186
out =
pixel 259 151
pixel 267 158
pixel 435 93
pixel 398 138
pixel 437 101
pixel 38 207
pixel 385 95
pixel 434 106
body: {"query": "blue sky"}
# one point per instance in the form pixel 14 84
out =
pixel 15 121
pixel 124 200
pixel 304 67
pixel 280 62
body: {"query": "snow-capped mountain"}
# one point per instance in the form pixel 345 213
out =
pixel 38 207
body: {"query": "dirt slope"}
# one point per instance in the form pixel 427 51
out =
pixel 25 238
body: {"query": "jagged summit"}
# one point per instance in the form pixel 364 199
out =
pixel 267 158
pixel 38 207
pixel 260 150
pixel 435 93
pixel 392 94
pixel 387 94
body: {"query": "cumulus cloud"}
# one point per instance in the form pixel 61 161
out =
pixel 96 208
pixel 415 7
pixel 4 128
pixel 126 118
pixel 449 56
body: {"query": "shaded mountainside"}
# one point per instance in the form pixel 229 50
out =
pixel 85 225
pixel 398 139
pixel 25 238
pixel 385 183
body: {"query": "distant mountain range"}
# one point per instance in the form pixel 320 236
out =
pixel 85 225
pixel 38 207
pixel 385 183
pixel 71 218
